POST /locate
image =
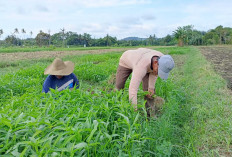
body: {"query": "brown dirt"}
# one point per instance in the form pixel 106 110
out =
pixel 51 54
pixel 112 79
pixel 154 106
pixel 221 57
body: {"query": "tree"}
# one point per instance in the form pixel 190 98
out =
pixel 167 39
pixel 12 40
pixel 86 39
pixel 220 32
pixel 63 36
pixel 219 35
pixel 23 32
pixel 179 35
pixel 196 38
pixel 211 38
pixel 228 35
pixel 73 39
pixel 57 39
pixel 31 40
pixel 108 41
pixel 16 31
pixel 42 38
pixel 151 40
pixel 183 34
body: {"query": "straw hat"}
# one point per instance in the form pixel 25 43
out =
pixel 58 67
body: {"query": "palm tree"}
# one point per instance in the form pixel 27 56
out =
pixel 219 31
pixel 31 33
pixel 180 35
pixel 62 31
pixel 16 31
pixel 188 31
pixel 23 32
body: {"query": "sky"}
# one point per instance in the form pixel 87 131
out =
pixel 118 18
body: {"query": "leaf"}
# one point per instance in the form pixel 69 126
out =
pixel 6 122
pixel 95 122
pixel 23 152
pixel 36 133
pixel 80 145
pixel 68 140
pixel 32 139
pixel 125 117
pixel 108 136
pixel 54 154
pixel 18 119
pixel 7 137
pixel 15 153
pixel 136 118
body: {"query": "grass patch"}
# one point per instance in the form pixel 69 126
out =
pixel 209 127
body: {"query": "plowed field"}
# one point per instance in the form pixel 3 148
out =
pixel 221 57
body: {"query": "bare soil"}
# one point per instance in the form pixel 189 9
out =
pixel 51 54
pixel 221 57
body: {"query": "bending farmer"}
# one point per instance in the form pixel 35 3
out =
pixel 145 64
pixel 60 76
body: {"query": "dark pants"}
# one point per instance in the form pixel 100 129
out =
pixel 121 77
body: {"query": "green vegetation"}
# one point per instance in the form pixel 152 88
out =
pixel 95 120
pixel 185 35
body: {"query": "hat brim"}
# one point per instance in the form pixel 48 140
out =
pixel 69 67
pixel 163 75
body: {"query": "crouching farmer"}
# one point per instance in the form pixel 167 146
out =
pixel 145 65
pixel 60 76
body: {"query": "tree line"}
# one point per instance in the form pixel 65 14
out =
pixel 185 35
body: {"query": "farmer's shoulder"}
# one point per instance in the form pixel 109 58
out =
pixel 72 76
pixel 137 50
pixel 49 78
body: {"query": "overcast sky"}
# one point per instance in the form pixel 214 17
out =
pixel 118 18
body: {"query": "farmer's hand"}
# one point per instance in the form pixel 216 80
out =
pixel 151 93
pixel 135 108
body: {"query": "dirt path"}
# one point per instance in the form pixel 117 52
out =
pixel 49 54
pixel 221 57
